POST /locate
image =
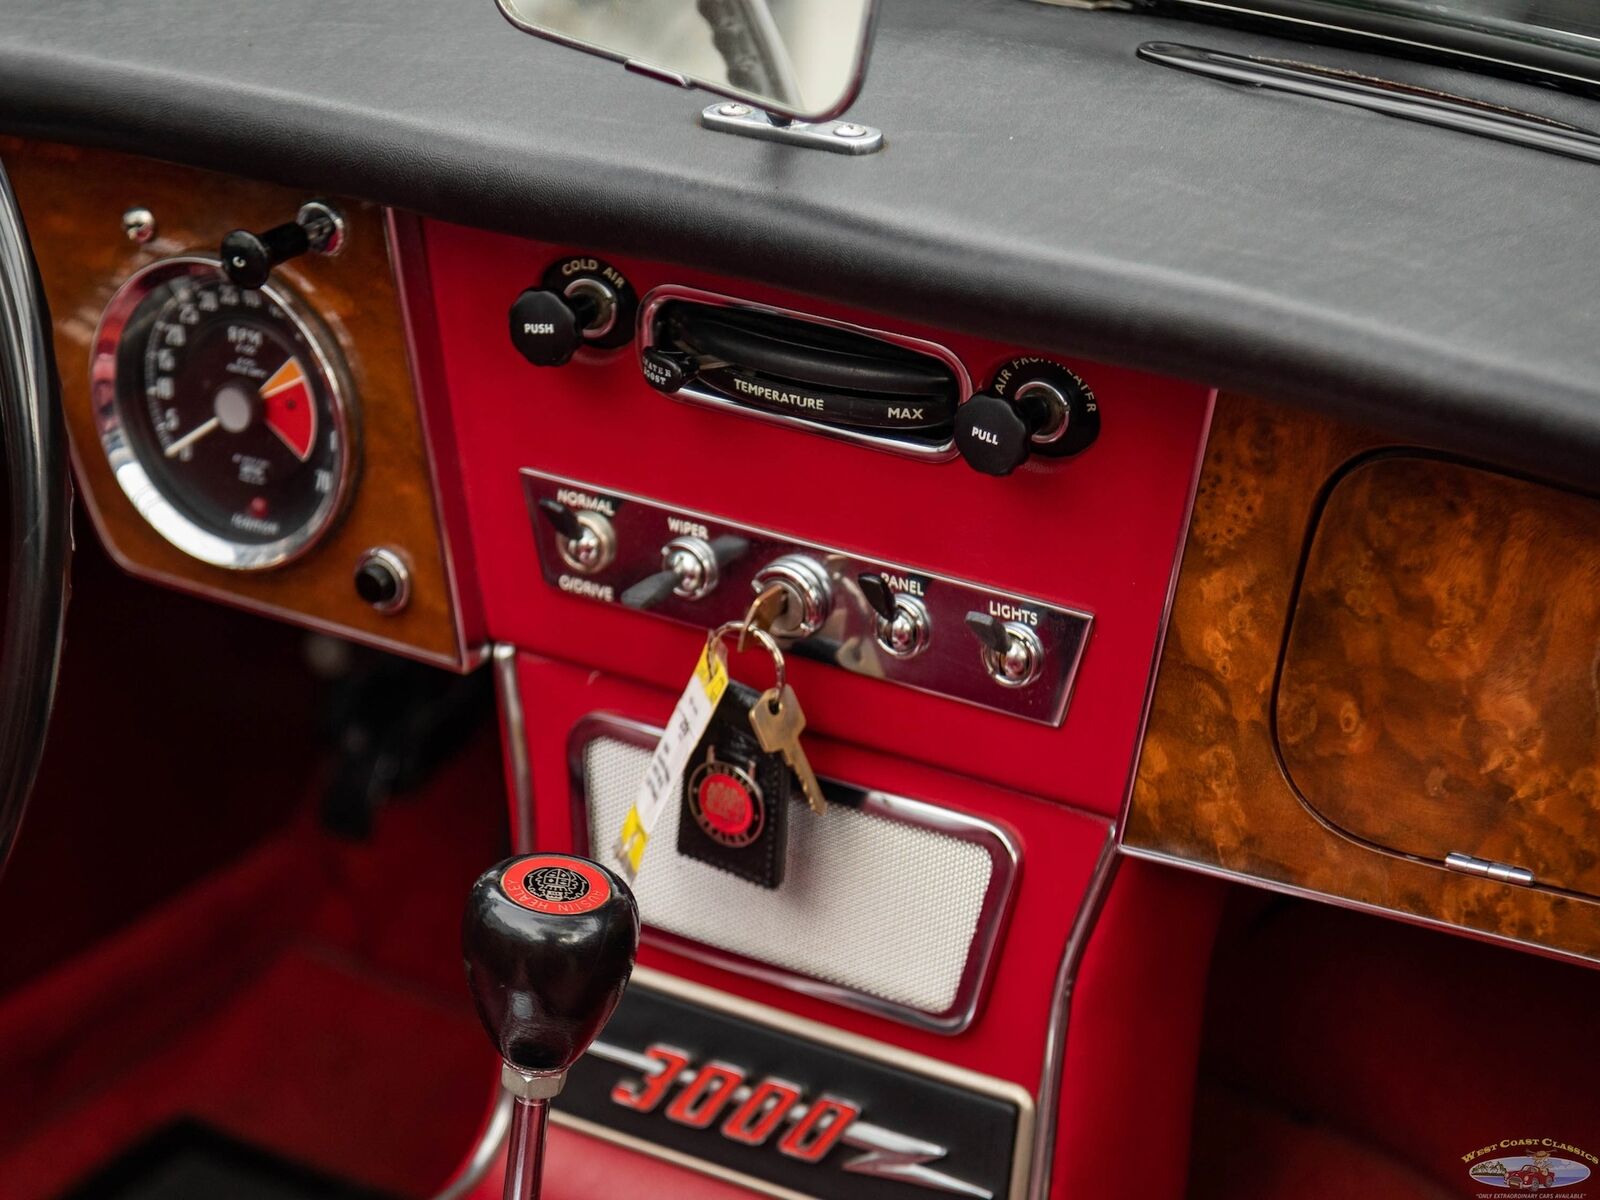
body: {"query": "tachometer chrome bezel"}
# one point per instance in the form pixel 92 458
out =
pixel 147 497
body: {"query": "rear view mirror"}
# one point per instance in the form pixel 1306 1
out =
pixel 799 59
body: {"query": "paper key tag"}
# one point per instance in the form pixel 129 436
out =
pixel 659 786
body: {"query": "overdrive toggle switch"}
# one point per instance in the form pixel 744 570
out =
pixel 585 540
pixel 1012 652
pixel 1033 406
pixel 579 302
pixel 549 942
pixel 807 594
pixel 903 625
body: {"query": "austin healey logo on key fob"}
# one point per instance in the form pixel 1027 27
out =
pixel 733 811
pixel 726 802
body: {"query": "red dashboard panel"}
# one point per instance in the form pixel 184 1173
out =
pixel 1059 848
pixel 1097 533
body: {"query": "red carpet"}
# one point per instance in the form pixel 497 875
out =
pixel 1350 1055
pixel 308 999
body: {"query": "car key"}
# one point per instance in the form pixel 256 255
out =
pixel 778 722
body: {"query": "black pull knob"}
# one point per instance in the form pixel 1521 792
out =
pixel 1033 406
pixel 248 258
pixel 878 594
pixel 990 631
pixel 562 519
pixel 549 942
pixel 993 434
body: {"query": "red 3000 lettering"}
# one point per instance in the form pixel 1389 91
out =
pixel 754 1112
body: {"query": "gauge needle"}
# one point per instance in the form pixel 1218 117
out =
pixel 193 436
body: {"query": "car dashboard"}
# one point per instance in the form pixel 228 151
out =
pixel 1272 561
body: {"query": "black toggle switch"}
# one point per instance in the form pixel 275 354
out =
pixel 990 631
pixel 562 519
pixel 879 595
pixel 248 258
pixel 691 569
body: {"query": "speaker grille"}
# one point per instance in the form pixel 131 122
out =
pixel 897 901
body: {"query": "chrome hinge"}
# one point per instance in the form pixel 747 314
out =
pixel 1504 872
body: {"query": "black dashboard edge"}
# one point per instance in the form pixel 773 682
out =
pixel 1040 185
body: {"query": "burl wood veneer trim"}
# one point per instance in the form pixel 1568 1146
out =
pixel 72 200
pixel 1210 790
pixel 1440 691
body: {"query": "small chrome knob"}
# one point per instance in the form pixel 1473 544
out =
pixel 808 594
pixel 1012 652
pixel 693 563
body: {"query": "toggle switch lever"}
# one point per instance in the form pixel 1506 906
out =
pixel 549 942
pixel 903 625
pixel 691 568
pixel 585 540
pixel 248 258
pixel 1012 652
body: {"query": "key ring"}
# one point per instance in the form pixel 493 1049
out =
pixel 768 642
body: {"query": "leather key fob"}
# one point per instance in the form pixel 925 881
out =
pixel 735 797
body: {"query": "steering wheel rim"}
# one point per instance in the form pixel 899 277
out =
pixel 40 494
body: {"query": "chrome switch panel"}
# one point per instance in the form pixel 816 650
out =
pixel 702 570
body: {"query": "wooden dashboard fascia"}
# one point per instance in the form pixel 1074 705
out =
pixel 73 200
pixel 1210 791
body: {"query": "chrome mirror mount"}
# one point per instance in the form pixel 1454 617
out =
pixel 787 68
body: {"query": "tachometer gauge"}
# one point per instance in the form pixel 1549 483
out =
pixel 223 413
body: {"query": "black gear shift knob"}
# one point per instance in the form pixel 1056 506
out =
pixel 549 942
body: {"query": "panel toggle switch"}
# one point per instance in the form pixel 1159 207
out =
pixel 903 625
pixel 1012 652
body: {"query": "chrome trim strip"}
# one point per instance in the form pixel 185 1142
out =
pixel 1303 893
pixel 514 729
pixel 413 288
pixel 1044 1145
pixel 1005 858
pixel 895 1056
pixel 1514 66
pixel 1322 83
pixel 484 1152
pixel 688 394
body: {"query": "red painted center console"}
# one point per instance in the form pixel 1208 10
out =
pixel 1098 533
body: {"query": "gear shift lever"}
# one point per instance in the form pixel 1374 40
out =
pixel 549 941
